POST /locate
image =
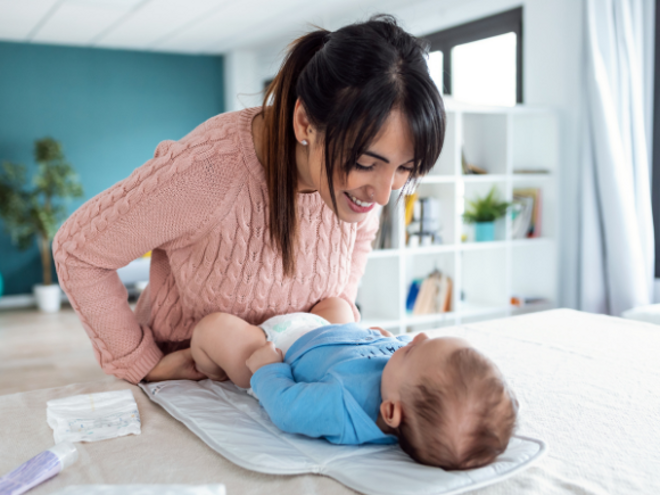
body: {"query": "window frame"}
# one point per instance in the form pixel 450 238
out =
pixel 655 167
pixel 495 25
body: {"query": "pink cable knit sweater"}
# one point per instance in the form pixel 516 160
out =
pixel 201 206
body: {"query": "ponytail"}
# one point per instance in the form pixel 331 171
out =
pixel 280 145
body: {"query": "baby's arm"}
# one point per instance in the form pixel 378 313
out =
pixel 315 409
pixel 334 309
pixel 220 345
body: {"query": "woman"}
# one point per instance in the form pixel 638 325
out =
pixel 259 212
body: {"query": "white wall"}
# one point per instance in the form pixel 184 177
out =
pixel 552 57
pixel 243 82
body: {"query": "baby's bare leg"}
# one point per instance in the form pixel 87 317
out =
pixel 335 310
pixel 220 345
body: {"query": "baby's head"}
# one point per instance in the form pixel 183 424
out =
pixel 447 403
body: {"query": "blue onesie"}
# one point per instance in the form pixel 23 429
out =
pixel 329 384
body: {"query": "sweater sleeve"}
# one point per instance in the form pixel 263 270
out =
pixel 366 233
pixel 314 409
pixel 164 202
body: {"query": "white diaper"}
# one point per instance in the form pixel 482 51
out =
pixel 284 330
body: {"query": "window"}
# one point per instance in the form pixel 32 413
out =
pixel 480 62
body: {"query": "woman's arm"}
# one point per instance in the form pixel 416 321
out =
pixel 159 204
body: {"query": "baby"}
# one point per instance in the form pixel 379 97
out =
pixel 446 403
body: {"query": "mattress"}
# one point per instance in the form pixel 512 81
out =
pixel 589 386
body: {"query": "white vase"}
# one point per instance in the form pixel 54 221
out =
pixel 49 297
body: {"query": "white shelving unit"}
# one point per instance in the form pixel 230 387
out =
pixel 485 274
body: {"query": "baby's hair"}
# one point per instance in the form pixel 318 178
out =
pixel 464 420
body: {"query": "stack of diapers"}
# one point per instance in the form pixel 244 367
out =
pixel 93 417
pixel 233 424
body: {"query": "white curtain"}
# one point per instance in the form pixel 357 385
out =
pixel 617 247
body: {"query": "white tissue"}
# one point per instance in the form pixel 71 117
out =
pixel 93 417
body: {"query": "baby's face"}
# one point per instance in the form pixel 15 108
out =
pixel 422 357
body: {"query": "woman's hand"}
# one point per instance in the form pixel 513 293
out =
pixel 266 354
pixel 178 365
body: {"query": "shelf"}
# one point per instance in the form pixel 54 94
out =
pixel 465 246
pixel 466 310
pixel 501 141
pixel 447 179
pixel 384 253
pixel 432 318
pixel 533 307
pixel 377 322
pixel 531 241
pixel 484 178
pixel 483 246
pixel 439 248
pixel 531 177
pixel 438 179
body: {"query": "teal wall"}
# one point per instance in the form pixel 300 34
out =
pixel 108 108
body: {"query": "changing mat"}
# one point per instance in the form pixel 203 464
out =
pixel 233 424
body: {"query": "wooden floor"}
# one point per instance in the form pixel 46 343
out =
pixel 40 350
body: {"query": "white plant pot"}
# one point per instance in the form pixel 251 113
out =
pixel 49 297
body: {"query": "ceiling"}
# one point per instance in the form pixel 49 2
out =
pixel 180 26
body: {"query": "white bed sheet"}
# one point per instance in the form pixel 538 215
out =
pixel 589 386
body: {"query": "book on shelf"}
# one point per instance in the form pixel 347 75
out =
pixel 410 200
pixel 422 221
pixel 469 168
pixel 413 292
pixel 521 301
pixel 536 171
pixel 430 295
pixel 526 214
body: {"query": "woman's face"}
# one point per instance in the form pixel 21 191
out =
pixel 384 167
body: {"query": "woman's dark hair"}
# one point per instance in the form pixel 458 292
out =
pixel 348 81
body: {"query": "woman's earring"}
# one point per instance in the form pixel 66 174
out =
pixel 304 142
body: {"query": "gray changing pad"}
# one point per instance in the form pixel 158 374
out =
pixel 234 424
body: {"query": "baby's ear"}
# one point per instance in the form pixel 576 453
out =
pixel 391 413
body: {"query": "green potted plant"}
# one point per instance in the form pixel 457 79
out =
pixel 39 209
pixel 483 211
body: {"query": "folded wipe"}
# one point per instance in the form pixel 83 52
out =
pixel 234 424
pixel 92 417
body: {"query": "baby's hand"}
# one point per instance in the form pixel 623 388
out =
pixel 266 354
pixel 383 332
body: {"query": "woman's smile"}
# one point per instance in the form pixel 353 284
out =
pixel 357 205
